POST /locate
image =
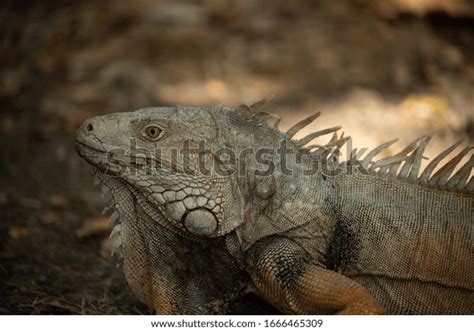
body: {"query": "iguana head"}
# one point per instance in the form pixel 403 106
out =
pixel 165 157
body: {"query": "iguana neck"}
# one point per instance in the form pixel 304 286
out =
pixel 285 201
pixel 159 258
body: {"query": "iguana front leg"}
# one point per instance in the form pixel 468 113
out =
pixel 283 275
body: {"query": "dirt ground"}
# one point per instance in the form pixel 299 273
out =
pixel 381 69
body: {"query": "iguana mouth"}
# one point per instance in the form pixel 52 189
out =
pixel 90 152
pixel 87 151
pixel 99 159
pixel 89 145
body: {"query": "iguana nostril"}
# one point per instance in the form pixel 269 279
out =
pixel 89 127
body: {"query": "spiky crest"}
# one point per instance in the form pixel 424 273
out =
pixel 405 165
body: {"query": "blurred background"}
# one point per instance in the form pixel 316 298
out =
pixel 380 68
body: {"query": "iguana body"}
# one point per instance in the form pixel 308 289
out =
pixel 357 237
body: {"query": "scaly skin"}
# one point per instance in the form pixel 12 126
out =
pixel 355 237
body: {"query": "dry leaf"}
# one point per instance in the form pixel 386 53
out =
pixel 58 201
pixel 92 227
pixel 17 232
pixel 49 218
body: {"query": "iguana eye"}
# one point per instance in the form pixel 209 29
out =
pixel 152 132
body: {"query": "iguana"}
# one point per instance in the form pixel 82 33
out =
pixel 211 203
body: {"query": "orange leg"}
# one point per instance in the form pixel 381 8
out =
pixel 284 277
